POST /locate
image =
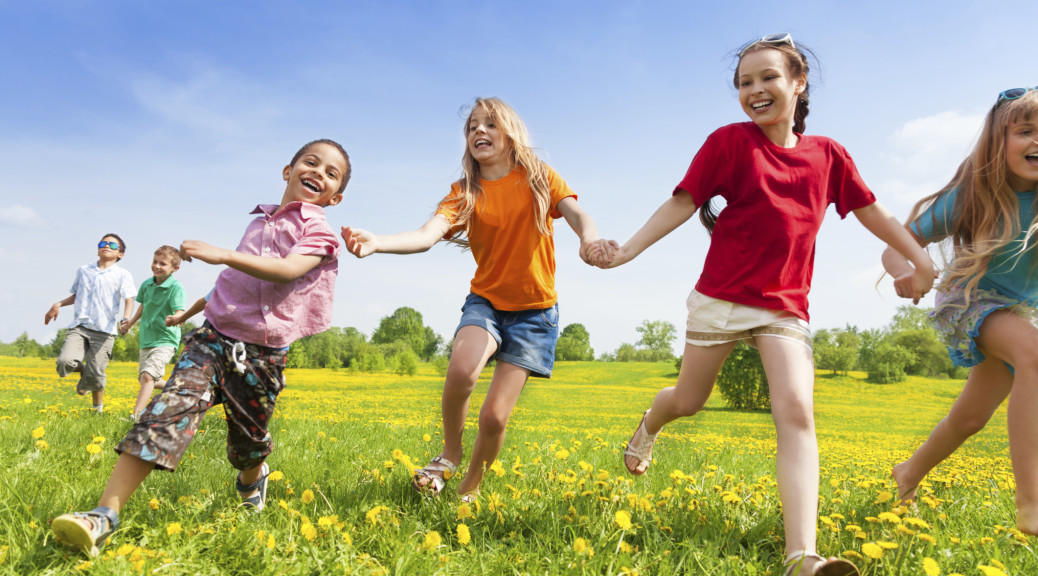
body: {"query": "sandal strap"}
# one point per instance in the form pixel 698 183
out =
pixel 255 485
pixel 794 560
pixel 111 516
pixel 439 464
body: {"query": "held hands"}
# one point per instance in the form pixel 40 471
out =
pixel 915 284
pixel 359 242
pixel 124 326
pixel 603 253
pixel 175 319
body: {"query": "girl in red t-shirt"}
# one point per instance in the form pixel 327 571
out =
pixel 511 313
pixel 754 285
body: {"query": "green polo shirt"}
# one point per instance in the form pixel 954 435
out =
pixel 159 301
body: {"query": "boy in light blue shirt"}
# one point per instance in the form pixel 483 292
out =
pixel 97 293
pixel 160 296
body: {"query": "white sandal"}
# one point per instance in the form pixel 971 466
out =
pixel 825 566
pixel 640 448
pixel 436 473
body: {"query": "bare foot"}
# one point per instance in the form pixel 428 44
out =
pixel 1027 519
pixel 906 488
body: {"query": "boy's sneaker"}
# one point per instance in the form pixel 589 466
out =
pixel 86 531
pixel 258 500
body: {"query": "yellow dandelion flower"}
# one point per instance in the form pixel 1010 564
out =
pixel 84 565
pixel 276 476
pixel 99 439
pixel 497 468
pixel 464 535
pixel 124 550
pixel 308 496
pixel 562 454
pixel 42 445
pixel 308 531
pixel 432 541
pixel 883 497
pixel 927 538
pixel 623 520
pixel 38 433
pixel 625 547
pixel 991 571
pixel 930 567
pixel 580 546
pixel 270 542
pixel 372 514
pixel 872 550
pixel 917 522
pixel 93 449
pixel 326 521
pixel 173 528
pixel 890 517
pixel 464 511
pixel 887 545
pixel 153 503
pixel 426 437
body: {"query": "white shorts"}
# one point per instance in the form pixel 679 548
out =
pixel 153 361
pixel 712 321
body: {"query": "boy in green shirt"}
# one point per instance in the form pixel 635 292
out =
pixel 159 296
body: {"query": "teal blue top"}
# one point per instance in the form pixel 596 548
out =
pixel 1009 273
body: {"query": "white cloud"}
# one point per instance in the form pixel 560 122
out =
pixel 18 215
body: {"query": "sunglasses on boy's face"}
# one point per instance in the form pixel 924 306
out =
pixel 781 38
pixel 1012 94
pixel 109 245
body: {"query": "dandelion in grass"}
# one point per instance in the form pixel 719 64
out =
pixel 622 519
pixel 426 437
pixel 464 511
pixel 562 454
pixel 93 449
pixel 42 445
pixel 270 542
pixel 887 545
pixel 84 565
pixel 276 476
pixel 432 541
pixel 38 433
pixel 890 517
pixel 327 522
pixel 991 571
pixel 173 528
pixel 308 496
pixel 497 468
pixel 581 546
pixel 153 503
pixel 872 550
pixel 464 535
pixel 372 514
pixel 930 567
pixel 99 440
pixel 308 531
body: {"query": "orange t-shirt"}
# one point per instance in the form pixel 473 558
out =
pixel 515 263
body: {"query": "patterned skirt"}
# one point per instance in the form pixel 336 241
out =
pixel 959 324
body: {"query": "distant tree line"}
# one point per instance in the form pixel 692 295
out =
pixel 908 345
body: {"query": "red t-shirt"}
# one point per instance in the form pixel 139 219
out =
pixel 763 247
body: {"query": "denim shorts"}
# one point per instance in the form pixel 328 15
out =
pixel 525 338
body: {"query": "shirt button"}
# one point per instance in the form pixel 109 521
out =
pixel 267 249
pixel 266 308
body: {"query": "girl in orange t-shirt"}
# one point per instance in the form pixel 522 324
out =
pixel 502 209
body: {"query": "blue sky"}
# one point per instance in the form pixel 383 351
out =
pixel 165 121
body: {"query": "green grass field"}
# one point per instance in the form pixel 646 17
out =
pixel 558 502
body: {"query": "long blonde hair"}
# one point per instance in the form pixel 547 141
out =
pixel 986 216
pixel 522 156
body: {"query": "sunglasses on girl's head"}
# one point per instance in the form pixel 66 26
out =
pixel 110 245
pixel 781 38
pixel 1012 94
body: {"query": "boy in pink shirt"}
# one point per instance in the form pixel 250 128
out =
pixel 278 287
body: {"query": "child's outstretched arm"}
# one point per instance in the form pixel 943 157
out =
pixel 52 312
pixel 181 316
pixel 280 270
pixel 124 327
pixel 362 243
pixel 592 251
pixel 910 282
pixel 673 213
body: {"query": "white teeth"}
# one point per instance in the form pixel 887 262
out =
pixel 310 185
pixel 759 105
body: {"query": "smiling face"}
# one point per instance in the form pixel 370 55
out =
pixel 316 177
pixel 1022 155
pixel 768 92
pixel 107 254
pixel 487 143
pixel 162 266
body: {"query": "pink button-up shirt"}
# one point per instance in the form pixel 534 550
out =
pixel 272 314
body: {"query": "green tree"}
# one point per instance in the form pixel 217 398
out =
pixel 931 356
pixel 406 324
pixel 53 348
pixel 836 350
pixel 888 362
pixel 574 344
pixel 658 336
pixel 23 346
pixel 911 318
pixel 742 382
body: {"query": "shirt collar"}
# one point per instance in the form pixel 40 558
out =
pixel 305 209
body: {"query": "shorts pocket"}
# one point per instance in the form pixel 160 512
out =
pixel 710 311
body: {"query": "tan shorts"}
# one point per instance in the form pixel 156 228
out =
pixel 712 321
pixel 153 361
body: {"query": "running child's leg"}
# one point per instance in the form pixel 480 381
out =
pixel 789 366
pixel 473 347
pixel 989 383
pixel 127 475
pixel 1014 339
pixel 147 383
pixel 505 388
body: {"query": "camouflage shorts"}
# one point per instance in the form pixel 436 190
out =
pixel 206 375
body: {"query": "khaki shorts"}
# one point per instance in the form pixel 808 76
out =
pixel 712 321
pixel 153 361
